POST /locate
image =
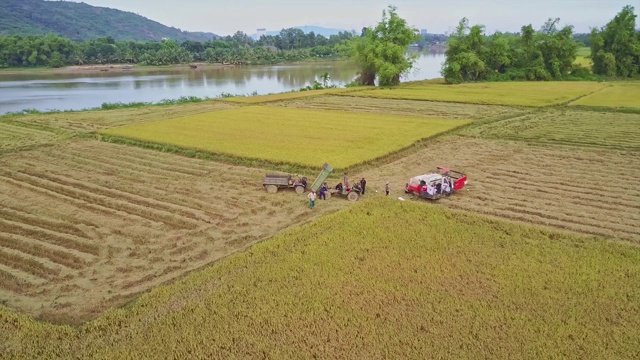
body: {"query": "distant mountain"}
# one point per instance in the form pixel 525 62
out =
pixel 318 30
pixel 80 21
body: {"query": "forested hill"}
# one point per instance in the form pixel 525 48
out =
pixel 79 22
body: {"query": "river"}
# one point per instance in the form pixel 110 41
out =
pixel 75 91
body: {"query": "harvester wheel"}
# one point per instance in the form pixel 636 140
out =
pixel 299 189
pixel 353 196
pixel 271 189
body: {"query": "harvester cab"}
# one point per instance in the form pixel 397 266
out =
pixel 436 185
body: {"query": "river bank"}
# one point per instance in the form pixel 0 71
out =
pixel 88 86
pixel 135 68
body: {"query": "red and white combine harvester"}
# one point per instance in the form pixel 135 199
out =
pixel 436 185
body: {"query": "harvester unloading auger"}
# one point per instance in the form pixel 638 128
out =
pixel 351 193
pixel 324 174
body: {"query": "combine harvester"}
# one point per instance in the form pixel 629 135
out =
pixel 437 185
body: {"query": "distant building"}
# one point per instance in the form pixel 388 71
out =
pixel 423 32
pixel 261 32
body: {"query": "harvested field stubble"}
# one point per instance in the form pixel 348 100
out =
pixel 362 284
pixel 101 223
pixel 590 128
pixel 102 119
pixel 402 107
pixel 15 137
pixel 533 94
pixel 559 186
pixel 295 136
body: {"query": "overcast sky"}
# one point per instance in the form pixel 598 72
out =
pixel 437 16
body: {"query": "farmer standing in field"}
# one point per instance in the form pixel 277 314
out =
pixel 345 181
pixel 363 185
pixel 323 191
pixel 312 199
pixel 386 188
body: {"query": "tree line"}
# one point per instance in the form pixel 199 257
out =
pixel 55 51
pixel 545 54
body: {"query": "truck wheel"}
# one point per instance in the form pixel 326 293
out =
pixel 299 189
pixel 352 196
pixel 271 189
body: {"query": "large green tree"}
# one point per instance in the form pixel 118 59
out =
pixel 615 49
pixel 530 55
pixel 381 51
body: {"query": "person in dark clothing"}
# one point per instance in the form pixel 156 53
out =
pixel 323 192
pixel 363 185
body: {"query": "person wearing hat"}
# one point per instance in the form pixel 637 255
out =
pixel 312 199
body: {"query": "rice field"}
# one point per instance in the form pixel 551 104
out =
pixel 618 95
pixel 87 225
pixel 583 57
pixel 362 284
pixel 595 192
pixel 288 96
pixel 584 61
pixel 530 94
pixel 441 110
pixel 587 128
pixel 15 137
pixel 88 121
pixel 295 136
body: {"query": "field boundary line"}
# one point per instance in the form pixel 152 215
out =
pixel 608 109
pixel 563 104
pixel 575 144
pixel 525 220
pixel 582 96
pixel 328 92
pixel 445 101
